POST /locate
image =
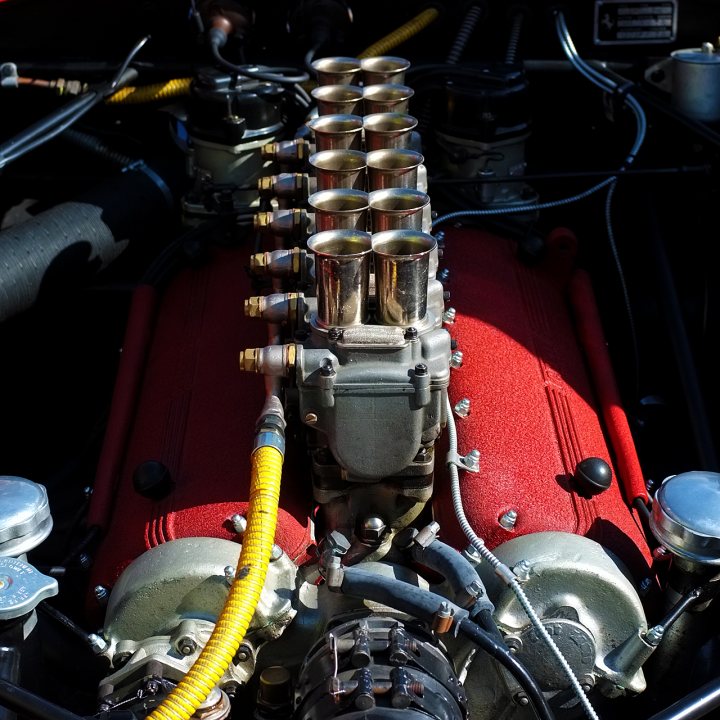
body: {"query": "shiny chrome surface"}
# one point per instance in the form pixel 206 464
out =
pixel 388 130
pixel 337 132
pixel 336 70
pixel 387 98
pixel 339 99
pixel 342 271
pixel 25 519
pixel 384 69
pixel 393 168
pixel 397 209
pixel 401 275
pixel 686 516
pixel 342 209
pixel 339 169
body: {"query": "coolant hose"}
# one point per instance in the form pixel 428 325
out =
pixel 151 93
pixel 402 34
pixel 232 624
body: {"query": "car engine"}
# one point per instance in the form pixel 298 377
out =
pixel 357 360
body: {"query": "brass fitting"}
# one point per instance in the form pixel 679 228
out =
pixel 262 220
pixel 254 306
pixel 259 263
pixel 265 184
pixel 249 359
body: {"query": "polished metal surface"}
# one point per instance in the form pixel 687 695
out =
pixel 401 275
pixel 387 98
pixel 397 209
pixel 342 209
pixel 22 588
pixel 339 169
pixel 388 130
pixel 342 271
pixel 339 99
pixel 686 516
pixel 337 70
pixel 393 168
pixel 384 69
pixel 25 519
pixel 337 132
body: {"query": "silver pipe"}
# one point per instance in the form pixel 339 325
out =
pixel 342 209
pixel 402 259
pixel 393 168
pixel 388 130
pixel 342 272
pixel 384 69
pixel 339 99
pixel 387 98
pixel 339 169
pixel 337 132
pixel 337 70
pixel 397 209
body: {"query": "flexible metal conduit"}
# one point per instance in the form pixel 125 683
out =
pixel 232 625
pixel 402 34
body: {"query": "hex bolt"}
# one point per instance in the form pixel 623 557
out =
pixel 327 369
pixel 84 561
pixel 101 594
pixel 334 334
pixel 514 644
pixel 522 569
pixel 239 523
pixel 440 237
pixel 421 370
pixel 229 572
pixel 187 646
pixel 98 643
pixel 521 699
pixel 456 360
pixel 276 553
pixel 372 530
pixel 471 553
pixel 444 275
pixel 449 316
pixel 462 407
pixel 472 461
pixel 654 635
pixel 508 519
pixel 311 418
pixel 411 333
pixel 243 654
pixel 645 586
pixel 153 686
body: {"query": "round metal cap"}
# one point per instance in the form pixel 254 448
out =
pixel 25 519
pixel 22 588
pixel 686 516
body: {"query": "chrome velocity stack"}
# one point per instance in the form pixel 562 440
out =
pixel 339 169
pixel 342 273
pixel 343 209
pixel 339 99
pixel 388 130
pixel 402 260
pixel 337 132
pixel 393 168
pixel 337 70
pixel 397 209
pixel 384 69
pixel 387 98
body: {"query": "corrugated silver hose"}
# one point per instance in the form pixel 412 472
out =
pixel 502 570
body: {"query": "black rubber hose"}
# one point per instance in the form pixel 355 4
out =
pixel 486 621
pixel 514 41
pixel 424 604
pixel 28 705
pixel 97 147
pixel 446 560
pixel 466 30
pixel 696 704
pixel 71 242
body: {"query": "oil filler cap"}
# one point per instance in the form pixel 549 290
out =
pixel 686 516
pixel 22 588
pixel 25 519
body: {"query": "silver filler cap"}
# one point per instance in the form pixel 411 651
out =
pixel 686 516
pixel 22 588
pixel 25 519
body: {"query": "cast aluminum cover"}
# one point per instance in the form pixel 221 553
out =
pixel 686 516
pixel 25 519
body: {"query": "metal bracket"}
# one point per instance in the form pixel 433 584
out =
pixel 469 462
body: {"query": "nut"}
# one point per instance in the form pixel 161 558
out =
pixel 254 306
pixel 249 359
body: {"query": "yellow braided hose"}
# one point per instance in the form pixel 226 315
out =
pixel 151 93
pixel 403 33
pixel 232 625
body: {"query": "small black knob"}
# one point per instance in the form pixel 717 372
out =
pixel 592 476
pixel 152 480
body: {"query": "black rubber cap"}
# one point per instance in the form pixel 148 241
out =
pixel 152 480
pixel 592 476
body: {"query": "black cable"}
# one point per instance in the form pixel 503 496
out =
pixel 97 147
pixel 64 621
pixel 486 621
pixel 249 72
pixel 424 605
pixel 29 705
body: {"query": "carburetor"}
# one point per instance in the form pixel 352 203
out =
pixel 369 363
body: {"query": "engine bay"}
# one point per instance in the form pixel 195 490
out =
pixel 358 360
